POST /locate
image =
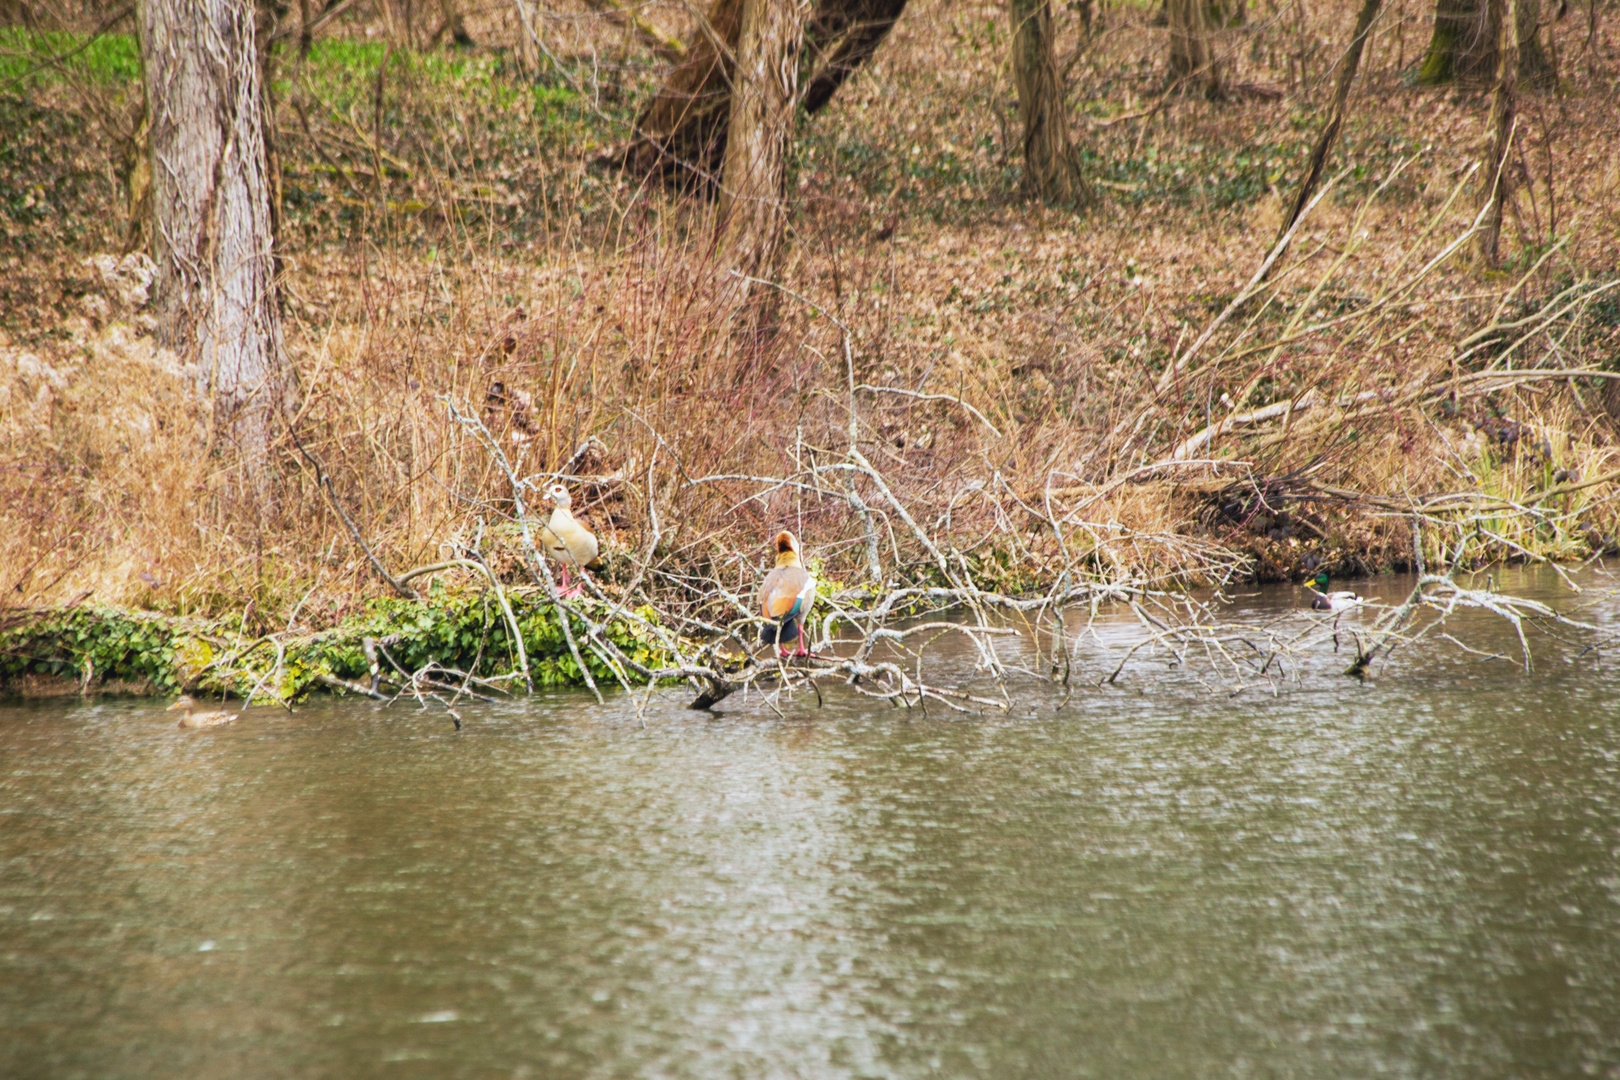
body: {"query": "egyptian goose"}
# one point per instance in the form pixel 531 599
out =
pixel 566 540
pixel 1322 600
pixel 786 597
pixel 199 719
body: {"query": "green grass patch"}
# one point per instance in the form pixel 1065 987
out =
pixel 30 57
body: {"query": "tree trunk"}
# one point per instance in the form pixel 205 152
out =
pixel 1335 119
pixel 842 36
pixel 681 134
pixel 1494 177
pixel 1051 167
pixel 1464 47
pixel 1191 55
pixel 752 210
pixel 454 25
pixel 214 293
pixel 272 13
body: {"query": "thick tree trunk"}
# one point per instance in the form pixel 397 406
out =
pixel 1463 45
pixel 682 131
pixel 752 209
pixel 1335 118
pixel 681 134
pixel 212 237
pixel 1191 56
pixel 1494 177
pixel 1051 168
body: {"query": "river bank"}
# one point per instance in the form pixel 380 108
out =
pixel 500 643
pixel 957 382
pixel 452 642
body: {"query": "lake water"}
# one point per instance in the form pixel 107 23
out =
pixel 1417 876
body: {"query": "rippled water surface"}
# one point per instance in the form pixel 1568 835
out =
pixel 1415 877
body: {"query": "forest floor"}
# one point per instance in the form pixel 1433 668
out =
pixel 448 239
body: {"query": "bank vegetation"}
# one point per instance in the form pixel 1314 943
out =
pixel 1017 303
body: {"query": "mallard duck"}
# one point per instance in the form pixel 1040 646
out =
pixel 1322 600
pixel 566 540
pixel 193 719
pixel 786 597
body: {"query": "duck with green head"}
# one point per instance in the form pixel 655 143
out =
pixel 1322 600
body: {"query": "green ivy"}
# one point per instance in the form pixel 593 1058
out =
pixel 103 643
pixel 465 631
pixel 468 632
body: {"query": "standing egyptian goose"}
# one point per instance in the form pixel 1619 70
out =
pixel 786 597
pixel 194 719
pixel 1322 600
pixel 566 540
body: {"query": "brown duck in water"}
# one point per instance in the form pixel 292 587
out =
pixel 193 719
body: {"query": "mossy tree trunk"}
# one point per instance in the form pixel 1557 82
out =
pixel 1051 167
pixel 765 91
pixel 681 134
pixel 1192 53
pixel 1463 45
pixel 1494 177
pixel 211 192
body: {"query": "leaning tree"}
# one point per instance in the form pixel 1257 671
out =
pixel 1333 123
pixel 211 206
pixel 723 119
pixel 1495 179
pixel 681 133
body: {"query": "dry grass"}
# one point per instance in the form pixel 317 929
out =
pixel 491 254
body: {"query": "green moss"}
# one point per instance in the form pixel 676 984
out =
pixel 1437 64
